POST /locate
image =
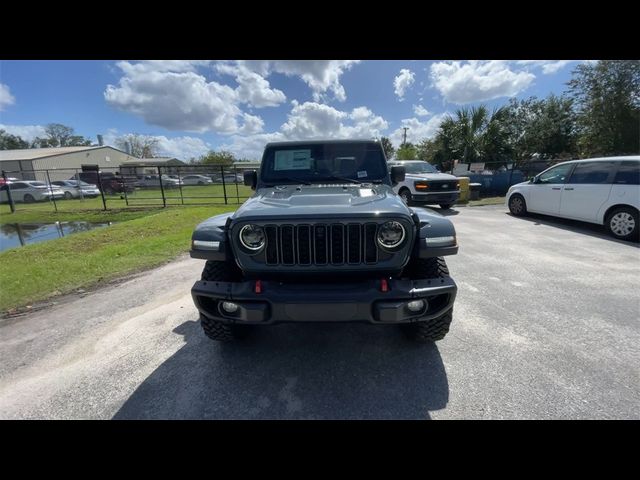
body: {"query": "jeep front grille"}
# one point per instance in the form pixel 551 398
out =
pixel 321 244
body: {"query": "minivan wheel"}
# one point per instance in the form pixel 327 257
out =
pixel 517 205
pixel 622 223
pixel 29 198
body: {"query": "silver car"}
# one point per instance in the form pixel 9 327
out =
pixel 196 180
pixel 72 190
pixel 28 191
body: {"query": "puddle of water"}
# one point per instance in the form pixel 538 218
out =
pixel 19 234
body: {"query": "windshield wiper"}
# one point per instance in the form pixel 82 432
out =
pixel 344 179
pixel 289 179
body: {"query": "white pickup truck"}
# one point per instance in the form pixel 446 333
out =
pixel 423 183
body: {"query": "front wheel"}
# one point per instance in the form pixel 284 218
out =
pixel 517 205
pixel 28 198
pixel 426 331
pixel 622 223
pixel 68 195
pixel 405 195
pixel 214 329
pixel 445 206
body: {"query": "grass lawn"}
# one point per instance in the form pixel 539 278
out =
pixel 68 209
pixel 36 272
pixel 486 201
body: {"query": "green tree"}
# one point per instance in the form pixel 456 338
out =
pixel 222 157
pixel 59 135
pixel 545 127
pixel 142 146
pixel 607 98
pixel 387 146
pixel 11 142
pixel 407 151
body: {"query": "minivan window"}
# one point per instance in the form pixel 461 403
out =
pixel 555 175
pixel 593 173
pixel 628 174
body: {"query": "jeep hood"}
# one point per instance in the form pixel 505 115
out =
pixel 322 201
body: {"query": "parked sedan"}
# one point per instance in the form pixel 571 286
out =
pixel 154 181
pixel 30 191
pixel 196 180
pixel 72 190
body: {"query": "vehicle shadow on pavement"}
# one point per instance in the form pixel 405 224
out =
pixel 447 213
pixel 292 371
pixel 576 226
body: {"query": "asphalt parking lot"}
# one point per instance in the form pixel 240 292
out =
pixel 546 326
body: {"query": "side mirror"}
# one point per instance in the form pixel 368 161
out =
pixel 397 174
pixel 534 179
pixel 251 179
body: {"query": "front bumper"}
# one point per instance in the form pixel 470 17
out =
pixel 436 197
pixel 323 302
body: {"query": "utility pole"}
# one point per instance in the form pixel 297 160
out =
pixel 404 141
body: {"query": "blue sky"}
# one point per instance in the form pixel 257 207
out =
pixel 194 106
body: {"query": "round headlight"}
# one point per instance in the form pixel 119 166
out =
pixel 390 234
pixel 252 237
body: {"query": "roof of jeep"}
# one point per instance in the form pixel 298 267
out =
pixel 319 142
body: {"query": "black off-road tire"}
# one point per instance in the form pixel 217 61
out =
pixel 446 206
pixel 517 205
pixel 214 329
pixel 428 331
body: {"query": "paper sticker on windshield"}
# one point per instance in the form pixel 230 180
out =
pixel 292 160
pixel 362 173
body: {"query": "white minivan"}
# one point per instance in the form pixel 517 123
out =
pixel 605 191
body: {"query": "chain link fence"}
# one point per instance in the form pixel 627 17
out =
pixel 123 187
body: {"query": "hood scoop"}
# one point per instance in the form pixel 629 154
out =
pixel 321 195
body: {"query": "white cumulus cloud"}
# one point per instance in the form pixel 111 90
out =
pixel 402 82
pixel 418 130
pixel 182 148
pixel 182 100
pixel 475 81
pixel 547 66
pixel 26 132
pixel 6 98
pixel 253 88
pixel 321 75
pixel 420 111
pixel 311 120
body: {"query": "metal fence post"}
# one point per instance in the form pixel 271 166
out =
pixel 9 197
pixel 79 186
pixel 164 200
pixel 180 185
pixel 55 206
pixel 235 175
pixel 101 186
pixel 224 187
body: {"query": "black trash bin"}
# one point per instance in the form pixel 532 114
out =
pixel 474 191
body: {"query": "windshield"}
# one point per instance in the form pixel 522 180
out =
pixel 418 167
pixel 356 162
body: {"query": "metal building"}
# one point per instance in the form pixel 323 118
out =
pixel 60 161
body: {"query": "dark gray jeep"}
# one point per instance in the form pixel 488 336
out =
pixel 325 239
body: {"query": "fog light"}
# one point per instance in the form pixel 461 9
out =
pixel 229 307
pixel 416 305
